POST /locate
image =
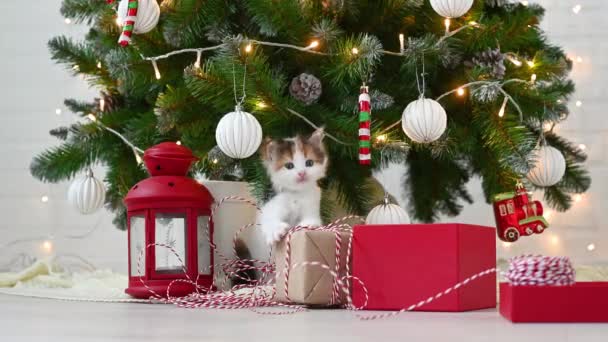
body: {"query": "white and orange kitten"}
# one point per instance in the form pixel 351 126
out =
pixel 295 165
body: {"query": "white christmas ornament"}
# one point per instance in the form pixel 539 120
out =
pixel 387 213
pixel 148 12
pixel 549 168
pixel 424 120
pixel 451 8
pixel 87 194
pixel 238 134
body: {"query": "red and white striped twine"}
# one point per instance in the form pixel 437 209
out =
pixel 257 294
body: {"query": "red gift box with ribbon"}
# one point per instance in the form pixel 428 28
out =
pixel 404 264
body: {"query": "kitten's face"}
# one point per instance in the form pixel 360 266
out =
pixel 295 163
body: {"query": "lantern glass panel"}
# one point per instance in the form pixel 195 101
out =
pixel 204 249
pixel 137 237
pixel 170 230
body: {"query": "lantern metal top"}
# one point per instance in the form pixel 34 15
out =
pixel 168 163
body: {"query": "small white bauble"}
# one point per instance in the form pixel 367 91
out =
pixel 424 120
pixel 451 8
pixel 87 194
pixel 238 134
pixel 549 167
pixel 148 12
pixel 387 213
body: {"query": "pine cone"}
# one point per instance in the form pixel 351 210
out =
pixel 496 3
pixel 306 88
pixel 493 60
pixel 111 102
pixel 486 93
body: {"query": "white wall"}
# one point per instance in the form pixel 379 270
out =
pixel 32 87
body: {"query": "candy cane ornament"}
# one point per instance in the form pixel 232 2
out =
pixel 365 125
pixel 129 23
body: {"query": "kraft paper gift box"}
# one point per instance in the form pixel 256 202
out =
pixel 310 285
pixel 402 265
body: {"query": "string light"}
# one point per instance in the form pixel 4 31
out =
pixel 582 147
pixel 102 104
pixel 99 65
pixel 473 23
pixel 577 8
pixel 460 92
pixel 249 48
pixel 506 245
pixel 118 21
pixel 355 51
pixel 548 214
pixel 58 111
pixel 179 143
pixel 591 247
pixel 579 59
pixel 156 70
pixel 515 61
pixel 261 104
pixel 503 108
pixel 447 24
pixel 578 198
pixel 313 44
pixel 199 55
pixel 381 138
pixel 44 199
pixel 138 158
pixel 525 3
pixel 401 43
pixel 533 78
pixel 47 246
pixel 92 117
pixel 215 161
pixel 554 240
pixel 530 64
pixel 68 21
pixel 76 67
pixel 579 103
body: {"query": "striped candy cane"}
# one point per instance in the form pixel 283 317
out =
pixel 129 24
pixel 365 124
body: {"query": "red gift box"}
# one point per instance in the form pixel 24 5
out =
pixel 582 302
pixel 401 265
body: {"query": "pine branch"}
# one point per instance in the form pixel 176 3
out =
pixel 84 11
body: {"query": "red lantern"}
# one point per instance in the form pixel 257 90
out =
pixel 170 209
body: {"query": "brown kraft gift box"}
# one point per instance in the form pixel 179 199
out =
pixel 311 285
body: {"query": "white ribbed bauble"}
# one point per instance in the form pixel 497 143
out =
pixel 148 13
pixel 387 213
pixel 549 167
pixel 87 194
pixel 238 134
pixel 424 120
pixel 451 8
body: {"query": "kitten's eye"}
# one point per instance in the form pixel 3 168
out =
pixel 310 163
pixel 289 166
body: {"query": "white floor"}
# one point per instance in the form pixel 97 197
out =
pixel 25 319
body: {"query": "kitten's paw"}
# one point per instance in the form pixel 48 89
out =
pixel 276 232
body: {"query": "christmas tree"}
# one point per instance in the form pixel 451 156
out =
pixel 300 64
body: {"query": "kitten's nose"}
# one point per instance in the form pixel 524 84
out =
pixel 302 174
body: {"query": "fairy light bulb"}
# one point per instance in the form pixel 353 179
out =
pixel 548 214
pixel 47 246
pixel 577 8
pixel 582 147
pixel 58 111
pixel 98 65
pixel 401 42
pixel 138 158
pixel 554 240
pixel 199 55
pixel 179 143
pixel 533 78
pixel 44 199
pixel 355 51
pixel 76 67
pixel 578 198
pixel 591 247
pixel 579 59
pixel 381 138
pixel 525 3
pixel 473 23
pixel 215 161
pixel 92 117
pixel 313 44
pixel 68 21
pixel 460 92
pixel 447 24
pixel 506 245
pixel 503 108
pixel 156 70
pixel 249 48
pixel 579 103
pixel 102 104
pixel 515 61
pixel 530 64
pixel 261 104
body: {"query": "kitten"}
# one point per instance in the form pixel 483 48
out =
pixel 295 165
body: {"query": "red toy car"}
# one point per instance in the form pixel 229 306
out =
pixel 516 215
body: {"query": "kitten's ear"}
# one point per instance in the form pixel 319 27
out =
pixel 267 149
pixel 317 136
